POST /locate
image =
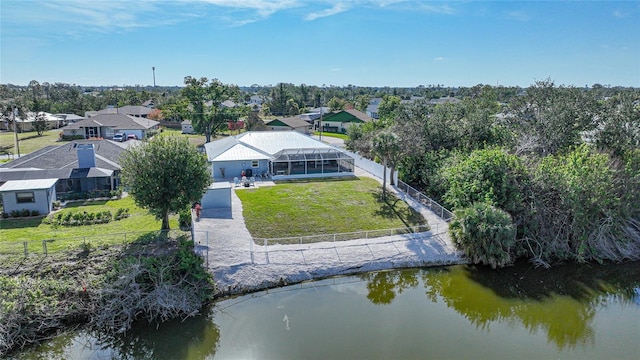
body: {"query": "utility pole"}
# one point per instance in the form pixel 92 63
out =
pixel 154 75
pixel 15 129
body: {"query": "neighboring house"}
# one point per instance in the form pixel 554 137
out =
pixel 340 121
pixel 107 125
pixel 284 154
pixel 372 111
pixel 33 195
pixel 149 104
pixel 309 117
pixel 444 100
pixel 227 104
pixel 293 123
pixel 256 100
pixel 69 118
pixel 79 166
pixel 26 124
pixel 135 111
pixel 187 127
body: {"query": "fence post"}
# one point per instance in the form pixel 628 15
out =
pixel 26 249
pixel 250 250
pixel 44 247
pixel 266 250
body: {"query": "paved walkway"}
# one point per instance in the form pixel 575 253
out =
pixel 239 265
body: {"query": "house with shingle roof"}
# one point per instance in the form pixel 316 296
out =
pixel 293 123
pixel 131 110
pixel 79 167
pixel 340 121
pixel 107 125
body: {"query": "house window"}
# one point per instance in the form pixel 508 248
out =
pixel 25 197
pixel 255 163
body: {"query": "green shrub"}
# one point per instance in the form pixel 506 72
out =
pixel 485 234
pixel 25 212
pixel 184 218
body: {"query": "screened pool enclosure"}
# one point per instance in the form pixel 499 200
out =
pixel 290 162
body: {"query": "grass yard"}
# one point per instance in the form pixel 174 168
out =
pixel 15 231
pixel 28 141
pixel 323 207
pixel 330 134
pixel 194 139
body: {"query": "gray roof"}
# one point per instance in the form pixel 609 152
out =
pixel 115 121
pixel 135 110
pixel 35 174
pixel 65 156
pixel 28 185
pixel 293 122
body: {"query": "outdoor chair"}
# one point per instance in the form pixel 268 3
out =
pixel 252 181
pixel 236 182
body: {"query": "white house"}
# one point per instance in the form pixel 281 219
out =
pixel 283 154
pixel 37 195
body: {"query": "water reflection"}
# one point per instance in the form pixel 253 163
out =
pixel 561 301
pixel 193 338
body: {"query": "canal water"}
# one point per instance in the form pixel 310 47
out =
pixel 458 312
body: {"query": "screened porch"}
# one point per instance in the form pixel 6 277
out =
pixel 311 162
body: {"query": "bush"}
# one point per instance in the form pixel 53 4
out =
pixel 184 218
pixel 485 234
pixel 35 212
pixel 122 213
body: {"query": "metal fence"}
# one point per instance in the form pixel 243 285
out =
pixel 368 234
pixel 425 201
pixel 54 244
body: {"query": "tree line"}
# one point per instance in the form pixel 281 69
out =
pixel 553 175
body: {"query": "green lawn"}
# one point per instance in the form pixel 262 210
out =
pixel 323 207
pixel 330 134
pixel 28 141
pixel 194 139
pixel 13 232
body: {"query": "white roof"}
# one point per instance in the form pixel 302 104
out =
pixel 241 152
pixel 259 145
pixel 17 185
pixel 272 142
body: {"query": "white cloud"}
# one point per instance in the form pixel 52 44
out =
pixel 438 9
pixel 517 15
pixel 439 58
pixel 264 8
pixel 336 9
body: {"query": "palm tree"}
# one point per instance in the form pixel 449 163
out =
pixel 386 146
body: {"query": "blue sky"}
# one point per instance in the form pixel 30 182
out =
pixel 359 42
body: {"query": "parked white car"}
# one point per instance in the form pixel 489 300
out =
pixel 120 137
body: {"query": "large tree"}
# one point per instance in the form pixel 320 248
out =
pixel 550 119
pixel 205 104
pixel 165 175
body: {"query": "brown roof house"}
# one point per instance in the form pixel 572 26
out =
pixel 340 121
pixel 293 123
